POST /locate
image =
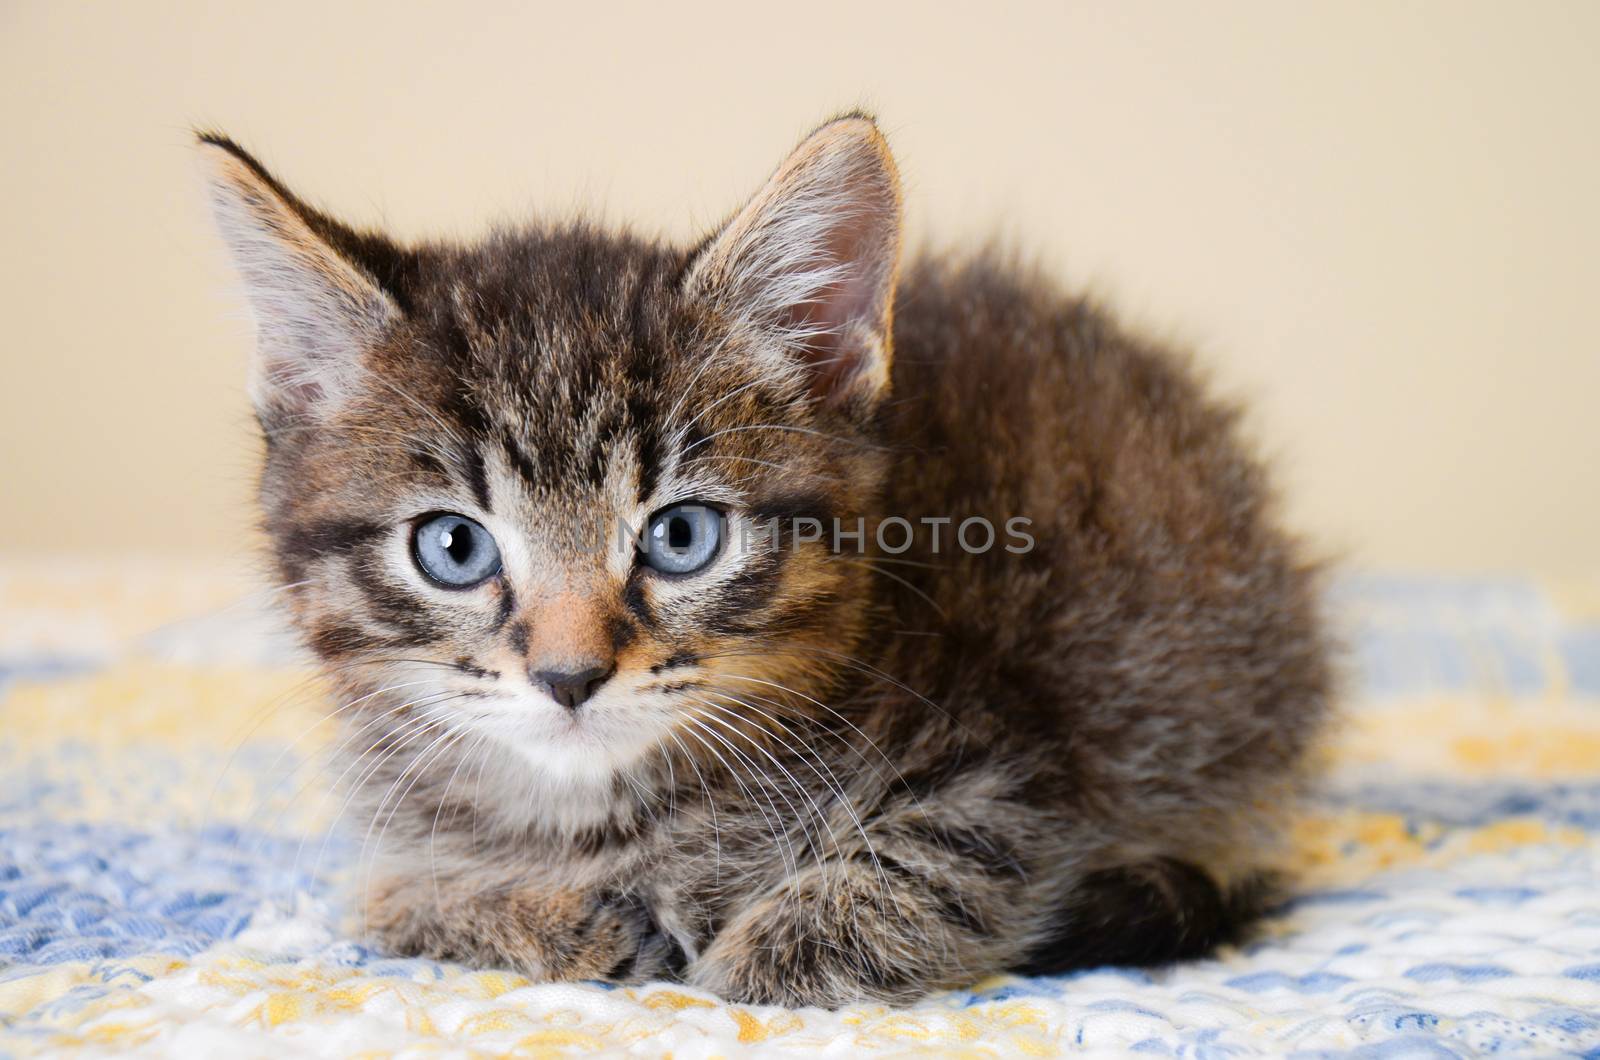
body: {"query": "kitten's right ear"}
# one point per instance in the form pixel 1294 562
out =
pixel 812 259
pixel 317 310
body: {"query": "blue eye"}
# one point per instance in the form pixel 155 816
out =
pixel 455 551
pixel 682 539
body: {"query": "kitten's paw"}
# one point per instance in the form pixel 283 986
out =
pixel 548 934
pixel 800 953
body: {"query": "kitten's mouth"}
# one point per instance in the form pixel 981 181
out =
pixel 589 741
pixel 575 724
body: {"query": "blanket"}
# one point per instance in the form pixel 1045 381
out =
pixel 172 863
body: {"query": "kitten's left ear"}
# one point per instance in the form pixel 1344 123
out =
pixel 319 306
pixel 812 258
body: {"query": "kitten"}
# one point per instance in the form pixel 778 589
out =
pixel 800 740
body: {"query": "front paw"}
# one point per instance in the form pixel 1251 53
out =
pixel 805 949
pixel 546 933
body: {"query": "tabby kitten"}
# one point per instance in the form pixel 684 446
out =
pixel 800 739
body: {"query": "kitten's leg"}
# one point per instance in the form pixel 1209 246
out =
pixel 952 908
pixel 549 933
pixel 910 916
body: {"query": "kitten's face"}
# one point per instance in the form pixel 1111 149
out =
pixel 557 427
pixel 461 440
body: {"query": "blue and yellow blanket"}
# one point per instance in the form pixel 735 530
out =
pixel 169 869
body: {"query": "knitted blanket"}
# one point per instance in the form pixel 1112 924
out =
pixel 171 863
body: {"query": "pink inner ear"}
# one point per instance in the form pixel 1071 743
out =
pixel 289 385
pixel 842 320
pixel 812 256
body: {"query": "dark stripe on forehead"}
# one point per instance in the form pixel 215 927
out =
pixel 694 440
pixel 650 448
pixel 644 363
pixel 599 461
pixel 640 321
pixel 478 478
pixel 521 461
pixel 649 458
pixel 460 406
pixel 653 453
pixel 613 416
pixel 428 463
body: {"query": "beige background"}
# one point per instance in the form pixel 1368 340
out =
pixel 1377 221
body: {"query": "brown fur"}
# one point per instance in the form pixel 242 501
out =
pixel 815 775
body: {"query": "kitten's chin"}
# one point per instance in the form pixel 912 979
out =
pixel 576 750
pixel 577 765
pixel 563 786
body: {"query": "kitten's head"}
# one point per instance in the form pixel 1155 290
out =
pixel 459 439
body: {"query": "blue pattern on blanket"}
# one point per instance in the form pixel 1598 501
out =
pixel 81 892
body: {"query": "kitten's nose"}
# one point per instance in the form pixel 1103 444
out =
pixel 571 688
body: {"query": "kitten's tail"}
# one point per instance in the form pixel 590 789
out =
pixel 1154 912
